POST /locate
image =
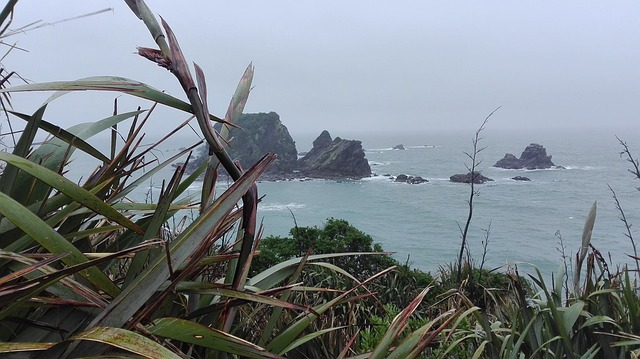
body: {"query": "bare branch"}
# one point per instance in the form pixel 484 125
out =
pixel 473 192
pixel 627 226
pixel 634 162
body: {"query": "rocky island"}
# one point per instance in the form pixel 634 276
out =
pixel 334 159
pixel 474 177
pixel 261 133
pixel 256 135
pixel 533 157
pixel 410 179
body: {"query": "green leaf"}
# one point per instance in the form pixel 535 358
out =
pixel 214 289
pixel 155 226
pixel 571 314
pixel 30 288
pixel 194 333
pixel 270 277
pixel 151 207
pixel 108 83
pixel 51 205
pixel 67 287
pixel 598 320
pixel 591 353
pixel 47 237
pixel 277 312
pixel 586 239
pixel 287 336
pixel 238 101
pixel 478 353
pixel 397 326
pixel 631 303
pixel 306 338
pixel 53 153
pixel 127 340
pixel 66 136
pixel 147 283
pixel 9 175
pixel 70 189
pixel 151 172
pixel 23 347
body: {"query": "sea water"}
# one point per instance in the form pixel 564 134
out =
pixel 520 222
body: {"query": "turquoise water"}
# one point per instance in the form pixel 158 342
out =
pixel 420 222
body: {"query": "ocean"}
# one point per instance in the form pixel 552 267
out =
pixel 523 221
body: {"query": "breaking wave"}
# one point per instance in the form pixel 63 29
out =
pixel 280 206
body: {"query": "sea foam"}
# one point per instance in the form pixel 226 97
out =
pixel 280 206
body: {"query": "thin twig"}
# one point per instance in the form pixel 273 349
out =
pixel 485 246
pixel 627 226
pixel 634 162
pixel 472 193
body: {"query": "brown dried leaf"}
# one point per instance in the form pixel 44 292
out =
pixel 156 56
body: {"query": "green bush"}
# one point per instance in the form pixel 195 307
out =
pixel 336 236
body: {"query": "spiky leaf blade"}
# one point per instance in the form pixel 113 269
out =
pixel 127 340
pixel 194 333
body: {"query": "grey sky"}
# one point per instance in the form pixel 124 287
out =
pixel 362 65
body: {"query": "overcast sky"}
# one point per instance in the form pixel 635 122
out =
pixel 361 65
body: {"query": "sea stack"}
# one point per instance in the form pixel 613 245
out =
pixel 255 135
pixel 533 157
pixel 335 159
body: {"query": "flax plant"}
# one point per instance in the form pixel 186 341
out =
pixel 598 319
pixel 86 272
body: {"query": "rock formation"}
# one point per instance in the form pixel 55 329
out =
pixel 262 133
pixel 533 157
pixel 410 179
pixel 334 159
pixel 467 178
pixel 521 178
pixel 398 147
pixel 256 135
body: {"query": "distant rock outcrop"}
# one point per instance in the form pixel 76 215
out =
pixel 521 178
pixel 399 147
pixel 533 157
pixel 334 159
pixel 476 177
pixel 410 179
pixel 256 135
pixel 262 133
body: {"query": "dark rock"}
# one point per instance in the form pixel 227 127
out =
pixel 323 140
pixel 476 177
pixel 401 178
pixel 399 147
pixel 521 178
pixel 416 180
pixel 334 159
pixel 509 161
pixel 410 179
pixel 533 157
pixel 256 135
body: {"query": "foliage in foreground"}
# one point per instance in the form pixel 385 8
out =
pixel 84 271
pixel 82 264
